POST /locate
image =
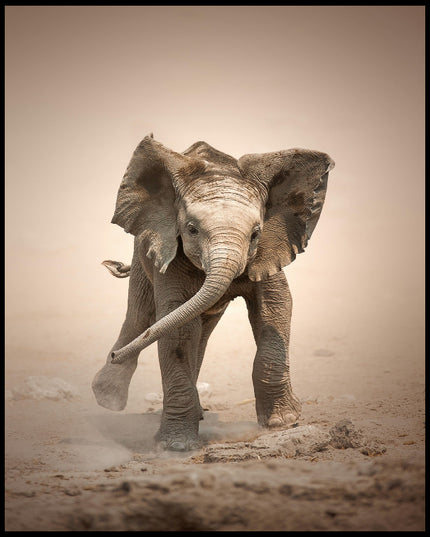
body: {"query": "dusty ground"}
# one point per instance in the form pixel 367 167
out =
pixel 355 461
pixel 83 85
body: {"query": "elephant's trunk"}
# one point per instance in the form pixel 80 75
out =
pixel 225 264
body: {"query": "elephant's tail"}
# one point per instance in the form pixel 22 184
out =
pixel 118 269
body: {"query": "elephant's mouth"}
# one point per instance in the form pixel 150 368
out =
pixel 197 263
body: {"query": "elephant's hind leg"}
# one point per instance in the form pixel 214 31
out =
pixel 270 314
pixel 111 383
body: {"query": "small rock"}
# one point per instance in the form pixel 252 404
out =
pixel 26 493
pixel 154 397
pixel 203 388
pixel 299 441
pixel 40 387
pixel 72 492
pixel 372 449
pixel 302 440
pixel 112 469
pixel 344 435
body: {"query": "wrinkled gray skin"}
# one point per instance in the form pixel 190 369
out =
pixel 209 228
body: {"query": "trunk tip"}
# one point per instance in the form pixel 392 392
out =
pixel 122 354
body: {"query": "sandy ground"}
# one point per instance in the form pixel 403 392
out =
pixel 355 460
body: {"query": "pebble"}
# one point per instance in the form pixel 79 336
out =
pixel 72 492
pixel 154 397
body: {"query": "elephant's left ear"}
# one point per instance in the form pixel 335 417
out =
pixel 296 183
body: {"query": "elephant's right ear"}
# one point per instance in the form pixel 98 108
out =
pixel 146 196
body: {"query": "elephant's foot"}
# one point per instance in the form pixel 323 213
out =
pixel 110 385
pixel 180 443
pixel 178 437
pixel 281 420
pixel 281 414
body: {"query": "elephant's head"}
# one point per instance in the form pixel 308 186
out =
pixel 251 215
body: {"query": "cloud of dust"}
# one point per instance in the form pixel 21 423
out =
pixel 85 83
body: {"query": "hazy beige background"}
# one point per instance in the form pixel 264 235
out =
pixel 85 84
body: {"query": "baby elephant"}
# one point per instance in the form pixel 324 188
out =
pixel 209 228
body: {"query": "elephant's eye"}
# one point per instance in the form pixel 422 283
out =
pixel 255 233
pixel 192 230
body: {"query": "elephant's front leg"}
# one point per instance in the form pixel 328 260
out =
pixel 179 427
pixel 178 357
pixel 270 315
